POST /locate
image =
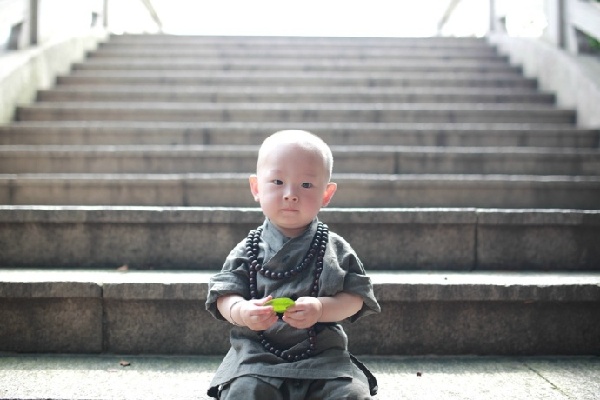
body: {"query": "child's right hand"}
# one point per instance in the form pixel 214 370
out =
pixel 255 315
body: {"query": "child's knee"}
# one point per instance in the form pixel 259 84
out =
pixel 248 387
pixel 349 389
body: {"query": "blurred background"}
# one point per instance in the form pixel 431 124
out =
pixel 282 17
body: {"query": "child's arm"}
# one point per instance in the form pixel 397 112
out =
pixel 309 310
pixel 250 313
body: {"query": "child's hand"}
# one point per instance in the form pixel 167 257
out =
pixel 255 315
pixel 305 313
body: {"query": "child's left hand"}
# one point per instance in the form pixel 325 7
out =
pixel 305 313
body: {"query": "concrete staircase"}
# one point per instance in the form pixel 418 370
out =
pixel 471 198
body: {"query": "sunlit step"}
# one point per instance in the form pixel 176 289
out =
pixel 354 190
pixel 292 79
pixel 348 159
pixel 297 112
pixel 275 94
pixel 336 133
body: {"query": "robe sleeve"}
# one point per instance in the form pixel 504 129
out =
pixel 351 273
pixel 233 279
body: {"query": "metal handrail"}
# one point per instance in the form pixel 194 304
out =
pixel 573 18
pixel 581 16
pixel 12 17
pixel 447 14
pixel 153 14
pixel 22 18
pixel 585 16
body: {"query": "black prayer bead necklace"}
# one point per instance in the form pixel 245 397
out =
pixel 315 252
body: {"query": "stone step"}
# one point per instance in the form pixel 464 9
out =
pixel 354 190
pixel 246 94
pixel 319 63
pixel 291 79
pixel 296 112
pixel 160 312
pixel 184 377
pixel 270 52
pixel 521 275
pixel 264 47
pixel 437 42
pixel 348 159
pixel 393 239
pixel 195 41
pixel 338 133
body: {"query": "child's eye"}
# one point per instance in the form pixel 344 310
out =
pixel 307 185
pixel 277 181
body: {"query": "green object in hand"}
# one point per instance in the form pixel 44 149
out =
pixel 280 304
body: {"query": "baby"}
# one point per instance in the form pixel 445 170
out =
pixel 301 352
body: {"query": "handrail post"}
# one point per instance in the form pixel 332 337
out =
pixel 34 22
pixel 105 14
pixel 493 17
pixel 496 24
pixel 570 35
pixel 554 33
pixel 561 24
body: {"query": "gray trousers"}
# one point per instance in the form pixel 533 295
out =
pixel 254 387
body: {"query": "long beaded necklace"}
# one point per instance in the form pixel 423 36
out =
pixel 316 251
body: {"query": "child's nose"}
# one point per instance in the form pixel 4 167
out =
pixel 290 196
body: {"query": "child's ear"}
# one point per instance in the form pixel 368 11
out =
pixel 254 186
pixel 329 192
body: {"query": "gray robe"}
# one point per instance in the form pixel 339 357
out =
pixel 342 272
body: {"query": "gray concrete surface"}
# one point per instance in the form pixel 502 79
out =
pixel 354 190
pixel 292 113
pixel 24 72
pixel 167 377
pixel 342 133
pixel 184 159
pixel 574 79
pixel 398 238
pixel 443 313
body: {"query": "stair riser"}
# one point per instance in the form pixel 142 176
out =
pixel 208 191
pixel 195 41
pixel 186 238
pixel 279 97
pixel 430 44
pixel 252 134
pixel 302 81
pixel 408 161
pixel 184 327
pixel 297 65
pixel 294 115
pixel 299 56
pixel 415 191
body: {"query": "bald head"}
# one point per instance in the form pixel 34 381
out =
pixel 304 139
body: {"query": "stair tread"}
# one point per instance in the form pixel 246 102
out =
pixel 477 133
pixel 35 375
pixel 335 75
pixel 342 90
pixel 251 150
pixel 268 126
pixel 498 134
pixel 480 179
pixel 388 285
pixel 366 107
pixel 408 80
pixel 259 64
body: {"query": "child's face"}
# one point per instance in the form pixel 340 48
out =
pixel 291 185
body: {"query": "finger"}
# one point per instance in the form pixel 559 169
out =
pixel 296 314
pixel 264 300
pixel 292 309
